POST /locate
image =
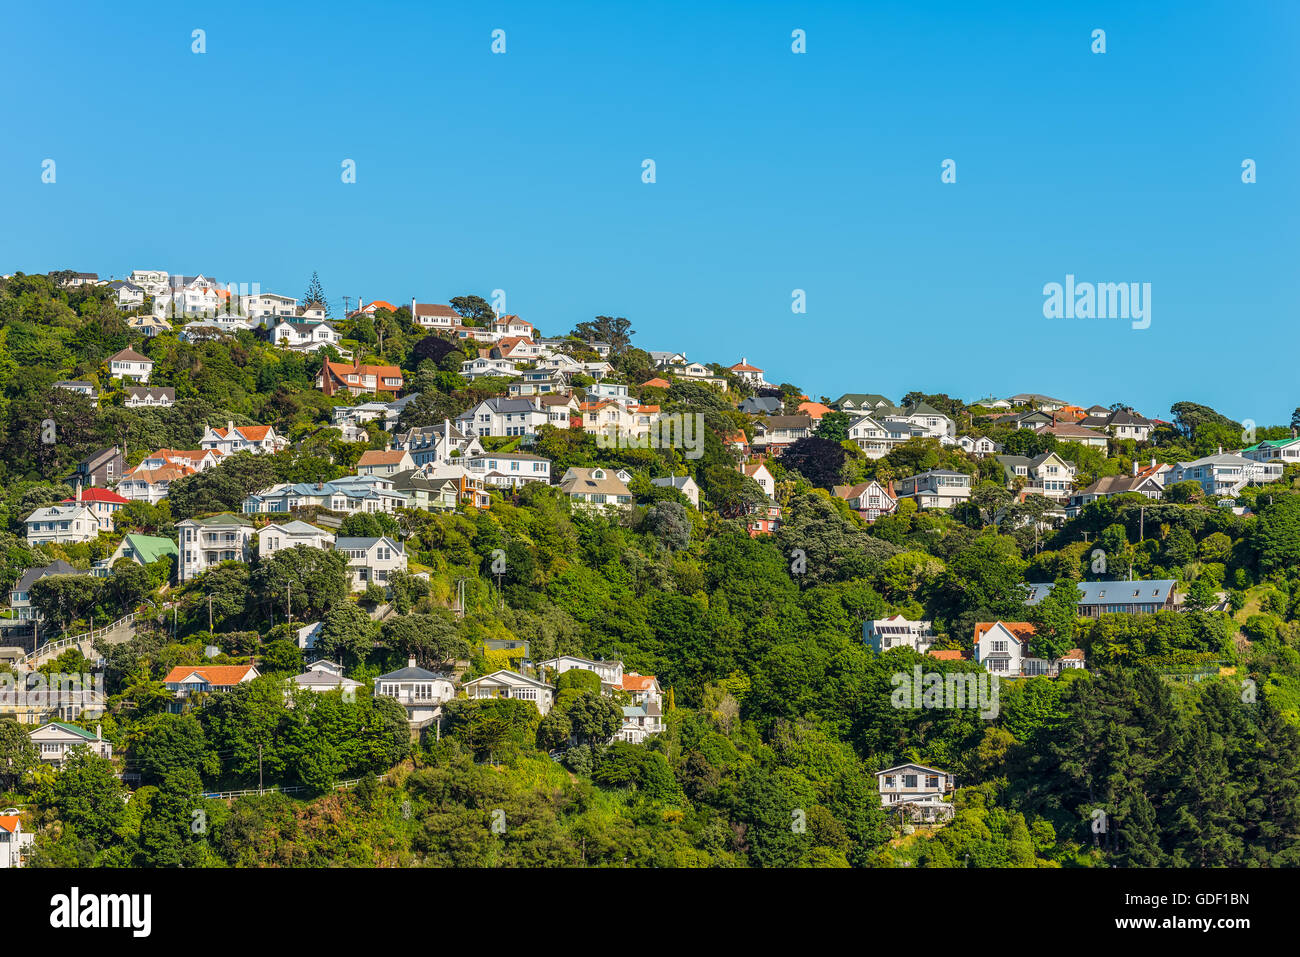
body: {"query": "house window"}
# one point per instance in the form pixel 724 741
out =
pixel 909 781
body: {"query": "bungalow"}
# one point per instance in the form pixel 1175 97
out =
pixel 376 462
pixel 1120 424
pixel 1144 481
pixel 510 684
pixel 55 742
pixel 379 379
pixel 419 691
pixel 129 364
pixel 81 387
pixel 596 488
pixel 916 791
pixel 148 325
pixel 979 446
pixel 434 315
pixel 325 675
pixel 371 561
pixel 1079 434
pixel 423 489
pixel 141 549
pixel 207 542
pixel 129 295
pixel 683 483
pixel 896 631
pixel 372 307
pixel 1044 402
pixel 1115 597
pixel 761 405
pixel 349 494
pixel 163 397
pixel 485 366
pixel 1286 451
pixel 870 500
pixel 185 681
pixel 277 537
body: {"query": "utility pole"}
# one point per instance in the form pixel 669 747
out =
pixel 288 604
pixel 346 299
pixel 1142 522
pixel 209 614
pixel 259 769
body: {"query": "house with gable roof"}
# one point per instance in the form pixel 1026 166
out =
pixel 186 681
pixel 55 742
pixel 511 684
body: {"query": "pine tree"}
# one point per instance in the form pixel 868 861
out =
pixel 315 295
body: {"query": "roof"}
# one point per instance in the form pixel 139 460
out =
pixel 129 355
pixel 364 542
pixel 151 548
pixel 946 655
pixel 94 494
pixel 1020 630
pixel 656 383
pixel 814 409
pixel 910 764
pixel 581 480
pixel 435 309
pixel 250 433
pixel 57 567
pixel 743 366
pixel 143 391
pixel 215 675
pixel 1068 430
pixel 410 673
pixel 224 518
pixel 70 729
pixel 635 682
pixel 1121 592
pixel 379 457
pixel 787 422
pixel 297 527
pixel 168 473
pixel 10 823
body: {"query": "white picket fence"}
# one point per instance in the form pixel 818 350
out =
pixel 291 789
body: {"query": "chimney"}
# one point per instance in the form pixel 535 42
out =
pixel 230 429
pixel 1135 466
pixel 410 662
pixel 412 308
pixel 78 491
pixel 1153 461
pixel 1220 449
pixel 99 732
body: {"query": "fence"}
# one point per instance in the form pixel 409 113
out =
pixel 54 647
pixel 278 789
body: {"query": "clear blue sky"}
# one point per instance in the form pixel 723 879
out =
pixel 775 171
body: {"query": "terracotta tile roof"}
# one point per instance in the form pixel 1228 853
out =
pixel 656 383
pixel 215 675
pixel 814 409
pixel 10 822
pixel 1022 630
pixel 1074 654
pixel 635 682
pixel 379 457
pixel 745 367
pixel 129 355
pixel 947 655
pixel 435 309
pixel 378 304
pixel 251 433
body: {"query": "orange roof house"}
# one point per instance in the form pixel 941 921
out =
pixel 814 410
pixel 946 655
pixel 656 383
pixel 379 379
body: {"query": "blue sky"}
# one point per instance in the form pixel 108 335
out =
pixel 775 171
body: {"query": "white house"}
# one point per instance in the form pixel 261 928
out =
pixel 501 417
pixel 129 364
pixel 437 444
pixel 916 791
pixel 61 524
pixel 325 675
pixel 1224 473
pixel 261 305
pixel 55 741
pixel 371 560
pixel 419 691
pixel 161 397
pixel 277 537
pixel 509 469
pixel 935 488
pixel 434 315
pixel 882 634
pixel 683 483
pixel 14 840
pixel 206 542
pixel 129 295
pixel 243 438
pixel 1286 451
pixel 1047 474
pixel 610 672
pixel 509 684
pixel 349 494
pixel 760 474
pixel 185 681
pixel 304 336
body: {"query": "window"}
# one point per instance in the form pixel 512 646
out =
pixel 909 780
